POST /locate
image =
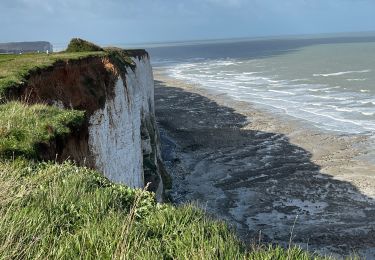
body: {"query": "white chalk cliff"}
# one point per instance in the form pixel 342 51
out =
pixel 115 131
pixel 119 136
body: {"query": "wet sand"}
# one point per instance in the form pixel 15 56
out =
pixel 267 174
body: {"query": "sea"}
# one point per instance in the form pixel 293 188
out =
pixel 327 81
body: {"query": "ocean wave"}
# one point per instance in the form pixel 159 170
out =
pixel 368 113
pixel 251 73
pixel 282 92
pixel 326 90
pixel 341 109
pixel 366 102
pixel 317 100
pixel 341 73
pixel 330 97
pixel 298 80
pixel 225 63
pixel 333 117
pixel 357 79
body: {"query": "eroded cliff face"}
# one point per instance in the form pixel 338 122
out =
pixel 115 131
pixel 120 136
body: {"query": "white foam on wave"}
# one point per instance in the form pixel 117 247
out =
pixel 298 80
pixel 342 109
pixel 332 98
pixel 341 73
pixel 225 63
pixel 332 117
pixel 366 102
pixel 357 79
pixel 368 113
pixel 325 90
pixel 282 92
pixel 251 73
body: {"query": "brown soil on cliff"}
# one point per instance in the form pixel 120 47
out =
pixel 83 84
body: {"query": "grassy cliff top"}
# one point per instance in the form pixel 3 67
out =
pixel 15 68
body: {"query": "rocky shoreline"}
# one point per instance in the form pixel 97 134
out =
pixel 265 174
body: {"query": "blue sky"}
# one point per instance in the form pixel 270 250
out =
pixel 142 21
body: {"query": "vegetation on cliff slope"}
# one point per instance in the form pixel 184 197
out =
pixel 79 45
pixel 62 211
pixel 23 127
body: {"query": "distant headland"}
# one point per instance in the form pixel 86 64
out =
pixel 25 47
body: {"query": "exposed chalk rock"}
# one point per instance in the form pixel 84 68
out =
pixel 117 130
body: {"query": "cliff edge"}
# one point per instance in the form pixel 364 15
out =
pixel 115 89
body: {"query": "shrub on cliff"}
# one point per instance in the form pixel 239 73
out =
pixel 80 45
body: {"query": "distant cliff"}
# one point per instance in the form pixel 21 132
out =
pixel 24 47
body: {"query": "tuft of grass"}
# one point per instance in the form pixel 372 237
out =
pixel 80 45
pixel 23 127
pixel 15 69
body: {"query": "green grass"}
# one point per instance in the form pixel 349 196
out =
pixel 61 211
pixel 24 127
pixel 79 45
pixel 14 69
